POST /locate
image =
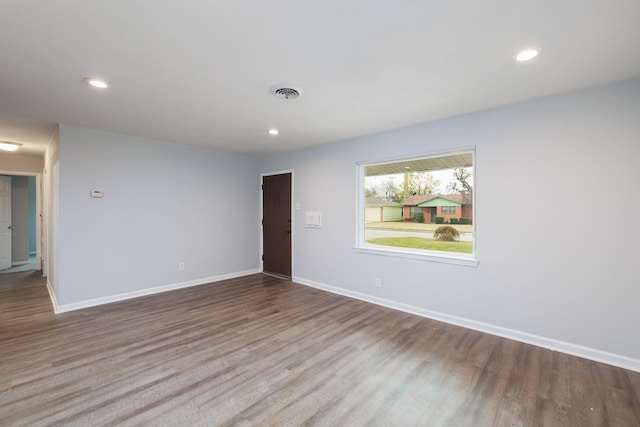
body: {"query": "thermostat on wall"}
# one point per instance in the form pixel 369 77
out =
pixel 97 194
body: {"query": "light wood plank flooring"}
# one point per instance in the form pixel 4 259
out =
pixel 261 351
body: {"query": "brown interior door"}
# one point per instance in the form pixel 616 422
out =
pixel 276 224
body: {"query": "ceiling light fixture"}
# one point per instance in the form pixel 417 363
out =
pixel 97 83
pixel 273 131
pixel 526 55
pixel 9 146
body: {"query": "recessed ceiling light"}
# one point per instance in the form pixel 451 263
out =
pixel 273 131
pixel 526 55
pixel 9 146
pixel 97 83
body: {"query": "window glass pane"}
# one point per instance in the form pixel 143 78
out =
pixel 408 202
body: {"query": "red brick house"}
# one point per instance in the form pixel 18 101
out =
pixel 432 205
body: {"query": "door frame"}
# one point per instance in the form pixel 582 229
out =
pixel 293 220
pixel 39 217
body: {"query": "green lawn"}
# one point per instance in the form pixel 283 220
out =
pixel 422 243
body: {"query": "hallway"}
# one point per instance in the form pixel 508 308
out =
pixel 30 266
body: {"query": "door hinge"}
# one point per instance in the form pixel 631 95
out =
pixel 263 257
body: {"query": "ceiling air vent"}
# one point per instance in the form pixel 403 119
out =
pixel 286 92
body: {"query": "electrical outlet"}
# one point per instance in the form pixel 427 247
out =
pixel 378 283
pixel 181 266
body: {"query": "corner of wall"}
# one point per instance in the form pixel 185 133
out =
pixel 52 296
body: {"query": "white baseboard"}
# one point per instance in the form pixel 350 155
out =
pixel 549 343
pixel 52 296
pixel 143 292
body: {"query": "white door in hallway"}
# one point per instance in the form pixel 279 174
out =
pixel 5 222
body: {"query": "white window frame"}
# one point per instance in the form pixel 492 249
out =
pixel 419 254
pixel 448 213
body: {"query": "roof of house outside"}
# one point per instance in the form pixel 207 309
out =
pixel 422 198
pixel 380 201
pixel 439 201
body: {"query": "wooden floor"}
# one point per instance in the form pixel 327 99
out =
pixel 260 351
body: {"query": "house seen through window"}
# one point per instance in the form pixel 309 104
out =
pixel 422 205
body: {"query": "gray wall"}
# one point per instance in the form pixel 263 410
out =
pixel 19 219
pixel 163 204
pixel 555 261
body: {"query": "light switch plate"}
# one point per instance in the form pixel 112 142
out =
pixel 313 219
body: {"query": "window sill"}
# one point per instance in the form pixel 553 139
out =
pixel 431 256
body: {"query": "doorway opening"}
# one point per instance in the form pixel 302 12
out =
pixel 20 222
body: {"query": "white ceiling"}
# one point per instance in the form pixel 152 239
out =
pixel 198 72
